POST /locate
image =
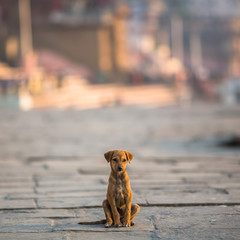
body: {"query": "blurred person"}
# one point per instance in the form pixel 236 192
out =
pixel 182 90
pixel 202 88
pixel 229 91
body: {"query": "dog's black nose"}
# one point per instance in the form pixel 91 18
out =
pixel 120 169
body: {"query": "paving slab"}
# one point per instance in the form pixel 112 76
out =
pixel 17 204
pixel 36 235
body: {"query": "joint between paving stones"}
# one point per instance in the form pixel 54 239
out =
pixel 177 205
pixel 154 235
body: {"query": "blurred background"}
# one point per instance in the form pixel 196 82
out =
pixel 158 78
pixel 96 53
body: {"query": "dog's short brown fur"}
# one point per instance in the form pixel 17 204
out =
pixel 118 206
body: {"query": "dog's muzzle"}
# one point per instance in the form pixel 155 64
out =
pixel 119 169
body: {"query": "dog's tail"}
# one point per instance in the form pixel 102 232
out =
pixel 103 221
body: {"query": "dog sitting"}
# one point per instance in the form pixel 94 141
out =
pixel 118 207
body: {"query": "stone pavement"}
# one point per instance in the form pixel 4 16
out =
pixel 48 185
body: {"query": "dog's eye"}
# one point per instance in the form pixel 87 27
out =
pixel 124 160
pixel 114 159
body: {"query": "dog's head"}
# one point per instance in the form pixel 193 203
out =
pixel 118 160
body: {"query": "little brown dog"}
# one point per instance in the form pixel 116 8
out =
pixel 118 206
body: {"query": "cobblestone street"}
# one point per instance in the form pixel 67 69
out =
pixel 53 174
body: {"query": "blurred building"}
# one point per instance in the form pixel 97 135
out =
pixel 198 33
pixel 91 33
pixel 114 37
pixel 216 25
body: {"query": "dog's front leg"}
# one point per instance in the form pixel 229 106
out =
pixel 115 213
pixel 127 213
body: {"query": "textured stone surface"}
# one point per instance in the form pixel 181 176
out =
pixel 146 132
pixel 53 174
pixel 207 222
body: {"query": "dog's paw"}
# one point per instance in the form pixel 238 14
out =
pixel 126 224
pixel 132 223
pixel 107 225
pixel 118 225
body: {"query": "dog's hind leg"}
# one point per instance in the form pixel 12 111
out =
pixel 108 213
pixel 134 211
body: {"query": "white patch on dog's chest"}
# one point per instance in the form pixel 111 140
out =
pixel 119 190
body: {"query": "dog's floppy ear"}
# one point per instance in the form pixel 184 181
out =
pixel 108 155
pixel 129 156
